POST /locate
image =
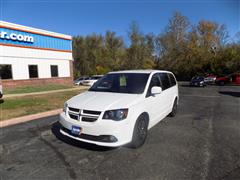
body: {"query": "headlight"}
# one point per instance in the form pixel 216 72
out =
pixel 116 115
pixel 65 107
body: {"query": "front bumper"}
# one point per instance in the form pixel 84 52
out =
pixel 101 132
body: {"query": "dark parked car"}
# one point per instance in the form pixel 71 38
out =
pixel 230 79
pixel 197 81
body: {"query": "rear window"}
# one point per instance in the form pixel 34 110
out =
pixel 155 81
pixel 165 81
pixel 200 78
pixel 172 79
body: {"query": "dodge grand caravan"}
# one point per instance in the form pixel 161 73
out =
pixel 120 108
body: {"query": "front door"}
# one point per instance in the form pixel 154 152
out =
pixel 155 104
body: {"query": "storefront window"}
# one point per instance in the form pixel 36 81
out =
pixel 5 71
pixel 54 71
pixel 33 71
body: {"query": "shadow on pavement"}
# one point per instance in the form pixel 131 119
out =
pixel 230 93
pixel 56 131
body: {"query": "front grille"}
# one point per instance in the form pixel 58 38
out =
pixel 84 115
pixel 88 119
pixel 73 109
pixel 92 112
pixel 76 117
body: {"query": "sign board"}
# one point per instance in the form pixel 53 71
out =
pixel 16 37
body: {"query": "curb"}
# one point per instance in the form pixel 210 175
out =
pixel 27 118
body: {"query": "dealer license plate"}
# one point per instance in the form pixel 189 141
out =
pixel 76 130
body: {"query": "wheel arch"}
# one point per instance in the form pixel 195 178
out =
pixel 145 114
pixel 136 116
pixel 176 98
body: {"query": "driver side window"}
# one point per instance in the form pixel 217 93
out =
pixel 155 81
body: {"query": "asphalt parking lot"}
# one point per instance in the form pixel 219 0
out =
pixel 201 142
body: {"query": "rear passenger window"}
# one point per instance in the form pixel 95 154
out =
pixel 165 81
pixel 172 80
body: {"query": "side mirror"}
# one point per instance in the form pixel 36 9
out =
pixel 156 90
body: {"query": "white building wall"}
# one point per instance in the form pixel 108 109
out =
pixel 20 58
pixel 8 51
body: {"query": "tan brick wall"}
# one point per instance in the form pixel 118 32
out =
pixel 11 84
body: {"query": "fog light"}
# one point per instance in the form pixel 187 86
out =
pixel 108 138
pixel 113 138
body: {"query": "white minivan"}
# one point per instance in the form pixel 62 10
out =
pixel 120 108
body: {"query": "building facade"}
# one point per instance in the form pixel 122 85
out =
pixel 30 56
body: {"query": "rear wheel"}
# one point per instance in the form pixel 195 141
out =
pixel 174 109
pixel 221 83
pixel 140 132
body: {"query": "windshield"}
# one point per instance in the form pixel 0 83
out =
pixel 79 79
pixel 132 83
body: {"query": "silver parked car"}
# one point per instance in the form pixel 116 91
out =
pixel 79 81
pixel 91 80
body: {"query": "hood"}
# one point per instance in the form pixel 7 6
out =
pixel 101 101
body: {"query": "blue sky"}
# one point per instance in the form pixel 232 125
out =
pixel 84 17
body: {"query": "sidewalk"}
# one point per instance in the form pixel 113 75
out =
pixel 45 92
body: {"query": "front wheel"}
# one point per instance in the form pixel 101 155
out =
pixel 140 132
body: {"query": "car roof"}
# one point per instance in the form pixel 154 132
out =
pixel 148 71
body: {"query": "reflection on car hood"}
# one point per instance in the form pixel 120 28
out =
pixel 101 101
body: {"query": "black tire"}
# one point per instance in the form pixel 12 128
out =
pixel 140 132
pixel 221 83
pixel 174 109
